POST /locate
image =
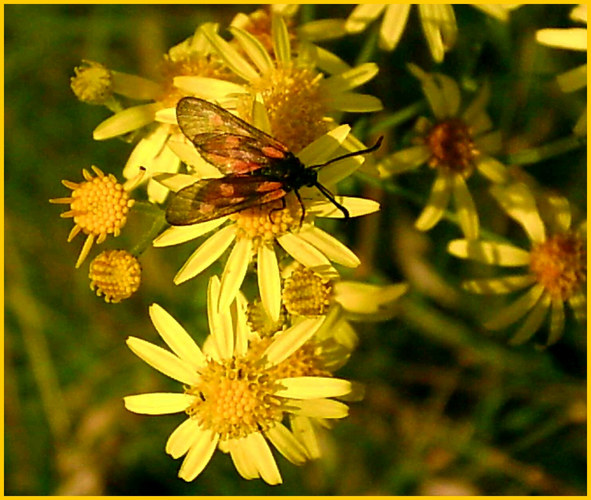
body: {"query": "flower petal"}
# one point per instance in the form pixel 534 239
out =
pixel 182 438
pixel 319 408
pixel 286 443
pixel 405 159
pixel 520 204
pixel 313 387
pixel 235 271
pixel 206 254
pixel 505 284
pixel 364 298
pixel 287 342
pixel 437 203
pixel 208 88
pixel 465 208
pixel 393 25
pixel 158 403
pixel 125 121
pixel 489 252
pixel 348 80
pixel 569 38
pixel 280 35
pixel 254 50
pixel 135 86
pixel 220 321
pixel 533 321
pixel 260 453
pixel 431 90
pixel 230 55
pixel 163 361
pixel 329 246
pixel 516 310
pixel 361 16
pixel 176 337
pixel 556 320
pixel 323 148
pixel 321 29
pixel 439 24
pixel 269 280
pixel 242 461
pixel 492 169
pixel 302 251
pixel 352 102
pixel 199 455
pixel 578 303
pixel 477 106
pixel 305 430
pixel 176 235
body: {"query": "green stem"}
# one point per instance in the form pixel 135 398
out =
pixel 394 119
pixel 556 148
pixel 369 47
pixel 158 223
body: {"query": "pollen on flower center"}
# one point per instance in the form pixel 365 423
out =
pixel 116 274
pixel 294 105
pixel 452 147
pixel 306 293
pixel 560 264
pixel 266 222
pixel 99 205
pixel 235 398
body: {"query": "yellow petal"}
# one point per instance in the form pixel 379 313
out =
pixel 313 387
pixel 199 455
pixel 465 208
pixel 125 121
pixel 259 452
pixel 533 321
pixel 505 284
pixel 235 271
pixel 280 36
pixel 361 16
pixel 158 403
pixel 286 443
pixel 176 235
pixel 287 342
pixel 329 246
pixel 303 252
pixel 220 321
pixel 489 252
pixel 406 159
pixel 320 408
pixel 254 50
pixel 516 310
pixel 306 431
pixel 393 25
pixel 556 320
pixel 269 281
pixel 437 203
pixel 182 438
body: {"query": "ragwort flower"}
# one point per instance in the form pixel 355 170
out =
pixel 454 145
pixel 99 206
pixel 556 264
pixel 254 231
pixel 296 96
pixel 236 395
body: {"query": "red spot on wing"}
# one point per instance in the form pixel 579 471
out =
pixel 272 152
pixel 265 187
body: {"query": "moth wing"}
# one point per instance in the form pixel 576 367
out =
pixel 209 199
pixel 226 141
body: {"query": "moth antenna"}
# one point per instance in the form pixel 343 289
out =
pixel 353 153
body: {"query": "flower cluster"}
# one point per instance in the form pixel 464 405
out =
pixel 241 144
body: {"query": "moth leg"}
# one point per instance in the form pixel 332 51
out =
pixel 297 193
pixel 283 205
pixel 331 198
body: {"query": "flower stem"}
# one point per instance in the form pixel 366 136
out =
pixel 555 148
pixel 394 119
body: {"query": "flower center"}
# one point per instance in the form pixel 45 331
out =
pixel 258 320
pixel 305 293
pixel 116 274
pixel 266 222
pixel 99 205
pixel 294 105
pixel 236 398
pixel 560 264
pixel 452 147
pixel 93 83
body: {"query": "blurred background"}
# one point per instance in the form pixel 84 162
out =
pixel 450 408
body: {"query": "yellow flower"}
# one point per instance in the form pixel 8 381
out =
pixel 556 264
pixel 454 145
pixel 116 274
pixel 571 39
pixel 255 231
pixel 99 206
pixel 235 396
pixel 157 149
pixel 313 293
pixel 296 95
pixel 438 23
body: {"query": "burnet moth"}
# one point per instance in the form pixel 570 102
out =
pixel 257 168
